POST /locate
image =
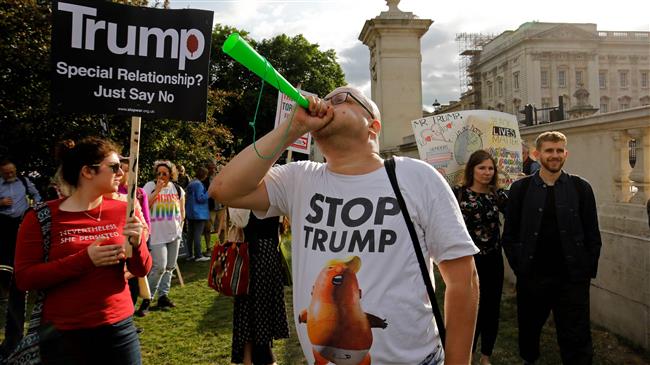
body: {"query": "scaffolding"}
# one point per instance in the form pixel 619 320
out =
pixel 469 47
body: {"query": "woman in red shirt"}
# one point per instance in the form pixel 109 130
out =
pixel 87 313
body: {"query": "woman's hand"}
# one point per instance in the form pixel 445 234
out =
pixel 133 230
pixel 105 255
pixel 160 184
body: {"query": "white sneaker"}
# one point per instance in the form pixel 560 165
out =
pixel 202 258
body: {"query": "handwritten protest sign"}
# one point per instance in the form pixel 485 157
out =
pixel 119 59
pixel 447 140
pixel 285 107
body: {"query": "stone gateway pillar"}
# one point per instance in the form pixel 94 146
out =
pixel 395 68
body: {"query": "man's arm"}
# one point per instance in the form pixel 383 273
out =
pixel 240 182
pixel 589 218
pixel 511 224
pixel 461 304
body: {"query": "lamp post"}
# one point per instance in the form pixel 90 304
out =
pixel 436 106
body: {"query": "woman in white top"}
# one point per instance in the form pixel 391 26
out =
pixel 167 214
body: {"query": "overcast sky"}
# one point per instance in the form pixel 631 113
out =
pixel 336 24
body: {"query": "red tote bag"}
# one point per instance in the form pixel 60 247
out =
pixel 229 268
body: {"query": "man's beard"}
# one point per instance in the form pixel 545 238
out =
pixel 547 166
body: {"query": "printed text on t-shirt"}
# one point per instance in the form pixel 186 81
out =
pixel 89 233
pixel 352 213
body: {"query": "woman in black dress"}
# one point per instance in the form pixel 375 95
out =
pixel 260 317
pixel 480 202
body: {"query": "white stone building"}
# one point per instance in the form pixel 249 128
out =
pixel 540 62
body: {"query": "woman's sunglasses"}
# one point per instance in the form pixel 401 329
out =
pixel 113 166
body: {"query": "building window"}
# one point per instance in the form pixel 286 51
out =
pixel 622 77
pixel 544 78
pixel 624 102
pixel 489 85
pixel 604 106
pixel 579 79
pixel 561 78
pixel 500 86
pixel 515 80
pixel 602 79
pixel 644 80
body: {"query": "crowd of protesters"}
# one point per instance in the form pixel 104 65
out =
pixel 550 238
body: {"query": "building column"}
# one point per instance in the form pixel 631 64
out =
pixel 395 67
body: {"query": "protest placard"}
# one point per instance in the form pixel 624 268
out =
pixel 284 110
pixel 447 140
pixel 119 59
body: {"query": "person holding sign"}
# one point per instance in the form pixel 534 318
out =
pixel 480 201
pixel 87 313
pixel 352 255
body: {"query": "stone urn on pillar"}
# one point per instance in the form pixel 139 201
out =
pixel 393 38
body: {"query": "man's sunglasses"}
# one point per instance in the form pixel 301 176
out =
pixel 113 166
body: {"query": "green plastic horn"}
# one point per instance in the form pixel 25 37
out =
pixel 236 47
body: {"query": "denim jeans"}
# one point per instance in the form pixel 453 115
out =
pixel 104 345
pixel 164 258
pixel 195 230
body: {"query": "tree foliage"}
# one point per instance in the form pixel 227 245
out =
pixel 30 130
pixel 295 58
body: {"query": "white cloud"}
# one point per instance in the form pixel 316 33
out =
pixel 336 24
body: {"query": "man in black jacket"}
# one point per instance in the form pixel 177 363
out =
pixel 552 242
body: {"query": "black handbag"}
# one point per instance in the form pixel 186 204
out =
pixel 27 351
pixel 389 164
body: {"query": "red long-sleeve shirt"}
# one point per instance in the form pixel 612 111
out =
pixel 78 294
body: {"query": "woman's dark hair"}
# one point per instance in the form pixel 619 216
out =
pixel 475 159
pixel 201 173
pixel 74 156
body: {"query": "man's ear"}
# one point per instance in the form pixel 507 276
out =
pixel 375 126
pixel 536 154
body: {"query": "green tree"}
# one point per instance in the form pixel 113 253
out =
pixel 30 130
pixel 295 58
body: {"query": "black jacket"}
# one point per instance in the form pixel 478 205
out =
pixel 577 223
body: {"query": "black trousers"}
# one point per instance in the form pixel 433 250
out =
pixel 490 274
pixel 8 232
pixel 14 325
pixel 569 302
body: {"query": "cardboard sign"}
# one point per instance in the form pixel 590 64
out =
pixel 284 110
pixel 120 59
pixel 447 140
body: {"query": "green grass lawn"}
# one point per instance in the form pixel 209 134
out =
pixel 198 330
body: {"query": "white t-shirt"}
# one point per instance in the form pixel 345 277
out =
pixel 352 254
pixel 165 213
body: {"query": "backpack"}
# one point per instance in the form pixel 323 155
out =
pixel 28 194
pixel 178 190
